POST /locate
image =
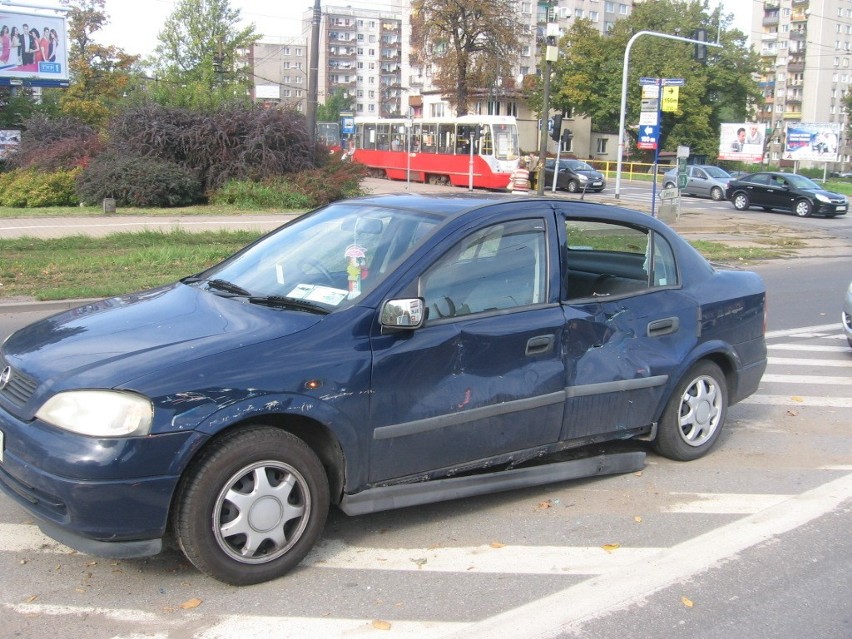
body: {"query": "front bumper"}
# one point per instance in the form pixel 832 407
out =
pixel 109 497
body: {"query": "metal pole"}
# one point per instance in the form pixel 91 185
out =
pixel 313 74
pixel 545 114
pixel 623 109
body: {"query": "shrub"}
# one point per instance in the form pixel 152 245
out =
pixel 260 195
pixel 30 188
pixel 51 144
pixel 138 181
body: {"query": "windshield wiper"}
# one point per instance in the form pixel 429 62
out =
pixel 228 287
pixel 288 302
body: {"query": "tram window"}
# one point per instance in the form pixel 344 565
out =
pixel 383 137
pixel 414 138
pixel 369 140
pixel 430 133
pixel 465 134
pixel 486 144
pixel 446 138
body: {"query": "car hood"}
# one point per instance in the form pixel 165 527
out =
pixel 109 343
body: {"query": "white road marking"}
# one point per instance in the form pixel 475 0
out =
pixel 799 400
pixel 817 380
pixel 721 504
pixel 794 361
pixel 568 610
pixel 808 348
pixel 804 329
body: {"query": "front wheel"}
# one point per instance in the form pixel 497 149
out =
pixel 252 506
pixel 803 208
pixel 695 414
pixel 740 201
pixel 717 194
pixel 573 186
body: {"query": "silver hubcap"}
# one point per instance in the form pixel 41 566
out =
pixel 740 202
pixel 261 512
pixel 700 411
pixel 802 209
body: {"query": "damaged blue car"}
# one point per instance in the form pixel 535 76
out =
pixel 376 353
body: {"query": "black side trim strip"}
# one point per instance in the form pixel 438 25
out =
pixel 616 386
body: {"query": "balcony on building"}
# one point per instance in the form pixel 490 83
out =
pixel 798 35
pixel 799 16
pixel 792 115
pixel 796 65
pixel 341 24
pixel 770 20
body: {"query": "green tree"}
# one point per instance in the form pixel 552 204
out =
pixel 198 58
pixel 589 71
pixel 467 43
pixel 330 111
pixel 100 75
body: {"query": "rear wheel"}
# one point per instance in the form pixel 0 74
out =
pixel 740 201
pixel 695 414
pixel 669 185
pixel 251 507
pixel 717 194
pixel 803 208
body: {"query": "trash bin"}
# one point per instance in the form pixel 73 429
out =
pixel 109 205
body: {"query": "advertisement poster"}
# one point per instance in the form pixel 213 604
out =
pixel 33 47
pixel 742 141
pixel 9 141
pixel 817 142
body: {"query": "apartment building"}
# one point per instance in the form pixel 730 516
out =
pixel 806 46
pixel 280 72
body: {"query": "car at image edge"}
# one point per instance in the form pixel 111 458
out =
pixel 376 353
pixel 785 192
pixel 847 315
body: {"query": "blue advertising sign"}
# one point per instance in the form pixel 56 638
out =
pixel 647 138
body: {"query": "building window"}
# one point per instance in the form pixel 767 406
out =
pixel 371 108
pixel 623 9
pixel 601 146
pixel 593 16
pixel 610 7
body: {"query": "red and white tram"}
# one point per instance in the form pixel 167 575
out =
pixel 439 150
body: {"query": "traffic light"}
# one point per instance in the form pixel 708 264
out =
pixel 557 127
pixel 700 49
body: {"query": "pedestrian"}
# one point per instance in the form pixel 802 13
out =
pixel 519 181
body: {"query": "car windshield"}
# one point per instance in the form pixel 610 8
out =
pixel 325 260
pixel 575 165
pixel 716 172
pixel 801 182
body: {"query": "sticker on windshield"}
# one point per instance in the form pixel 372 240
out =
pixel 356 268
pixel 316 293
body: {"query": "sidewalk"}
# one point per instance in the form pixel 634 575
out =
pixel 726 227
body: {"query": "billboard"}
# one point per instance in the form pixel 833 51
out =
pixel 817 142
pixel 742 141
pixel 33 49
pixel 10 139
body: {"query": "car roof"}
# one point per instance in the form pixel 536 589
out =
pixel 458 205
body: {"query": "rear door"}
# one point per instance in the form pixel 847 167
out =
pixel 484 376
pixel 628 325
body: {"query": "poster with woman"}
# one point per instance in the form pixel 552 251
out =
pixel 33 46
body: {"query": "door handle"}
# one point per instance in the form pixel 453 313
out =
pixel 665 326
pixel 540 345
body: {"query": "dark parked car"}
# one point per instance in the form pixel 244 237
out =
pixel 846 315
pixel 375 353
pixel 702 179
pixel 574 176
pixel 785 192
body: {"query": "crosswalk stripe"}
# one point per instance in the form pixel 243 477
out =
pixel 818 380
pixel 799 400
pixel 804 329
pixel 816 348
pixel 724 503
pixel 794 361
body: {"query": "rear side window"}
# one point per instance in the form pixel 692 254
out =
pixel 603 259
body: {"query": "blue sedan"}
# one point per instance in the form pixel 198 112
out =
pixel 376 353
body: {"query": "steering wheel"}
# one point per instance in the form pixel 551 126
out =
pixel 318 267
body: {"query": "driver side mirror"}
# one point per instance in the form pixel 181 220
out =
pixel 403 313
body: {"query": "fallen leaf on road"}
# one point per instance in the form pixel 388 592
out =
pixel 544 504
pixel 796 398
pixel 191 603
pixel 420 562
pixel 611 547
pixel 792 413
pixel 637 519
pixel 686 601
pixel 497 544
pixel 32 598
pixel 380 624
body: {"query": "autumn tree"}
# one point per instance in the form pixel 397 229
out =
pixel 198 59
pixel 467 42
pixel 335 103
pixel 722 89
pixel 100 75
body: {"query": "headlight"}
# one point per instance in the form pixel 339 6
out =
pixel 99 413
pixel 583 178
pixel 822 198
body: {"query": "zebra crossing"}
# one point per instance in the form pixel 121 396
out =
pixel 513 565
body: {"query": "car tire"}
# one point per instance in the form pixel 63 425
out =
pixel 669 185
pixel 803 208
pixel 251 506
pixel 573 186
pixel 740 201
pixel 717 194
pixel 695 413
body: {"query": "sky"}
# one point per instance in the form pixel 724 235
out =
pixel 134 24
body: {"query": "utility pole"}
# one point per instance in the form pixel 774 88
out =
pixel 550 56
pixel 313 73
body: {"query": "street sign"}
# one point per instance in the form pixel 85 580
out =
pixel 670 95
pixel 648 117
pixel 682 180
pixel 643 81
pixel 650 91
pixel 674 82
pixel 650 105
pixel 668 194
pixel 647 139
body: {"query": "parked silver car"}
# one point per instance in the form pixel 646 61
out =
pixel 703 180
